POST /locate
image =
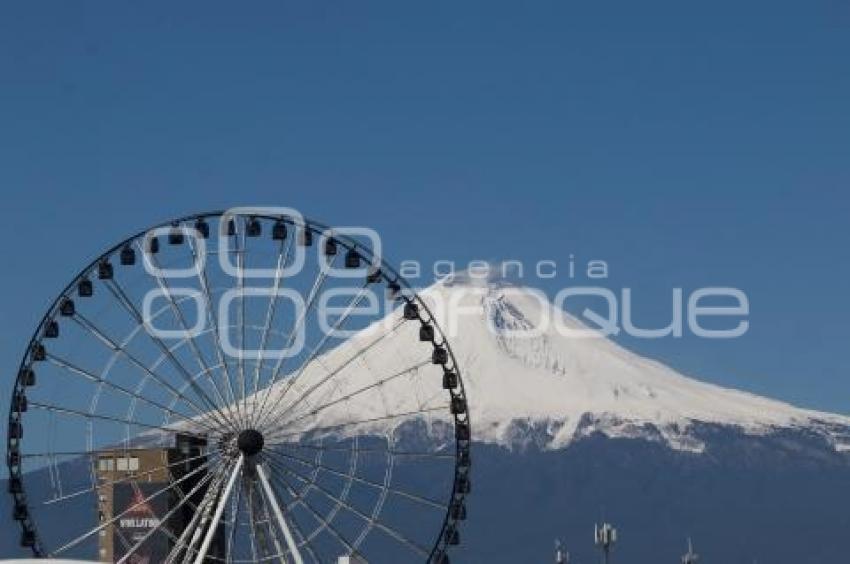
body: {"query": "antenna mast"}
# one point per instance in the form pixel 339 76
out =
pixel 561 557
pixel 691 557
pixel 605 536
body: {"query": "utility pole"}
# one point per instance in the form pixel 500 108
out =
pixel 605 536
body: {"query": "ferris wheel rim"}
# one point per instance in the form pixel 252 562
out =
pixel 386 272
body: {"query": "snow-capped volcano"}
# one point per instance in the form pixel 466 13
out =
pixel 528 381
pixel 572 386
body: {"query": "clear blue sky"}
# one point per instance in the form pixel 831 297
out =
pixel 687 144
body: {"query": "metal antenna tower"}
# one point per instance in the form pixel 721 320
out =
pixel 691 557
pixel 605 536
pixel 561 556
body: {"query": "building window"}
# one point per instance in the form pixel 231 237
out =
pixel 128 464
pixel 106 464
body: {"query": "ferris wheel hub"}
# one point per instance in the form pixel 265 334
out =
pixel 250 442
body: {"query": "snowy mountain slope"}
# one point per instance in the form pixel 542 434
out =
pixel 550 386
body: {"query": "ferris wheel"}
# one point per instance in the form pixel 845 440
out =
pixel 239 386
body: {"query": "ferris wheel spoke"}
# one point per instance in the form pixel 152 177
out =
pixel 401 493
pixel 282 256
pixel 318 284
pixel 263 529
pixel 234 523
pixel 162 526
pixel 255 524
pixel 128 305
pixel 110 483
pixel 75 453
pixel 314 474
pixel 73 369
pixel 212 319
pixel 316 351
pixel 126 421
pixel 281 520
pixel 235 470
pixel 166 531
pixel 121 296
pixel 377 384
pixel 332 373
pixel 252 524
pixel 115 518
pixel 338 426
pixel 305 490
pixel 298 499
pixel 315 356
pixel 389 452
pixel 373 521
pixel 301 538
pixel 181 541
pixel 240 281
pixel 193 532
pixel 276 478
pixel 211 410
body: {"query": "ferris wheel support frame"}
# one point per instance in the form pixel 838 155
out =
pixel 219 511
pixel 287 533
